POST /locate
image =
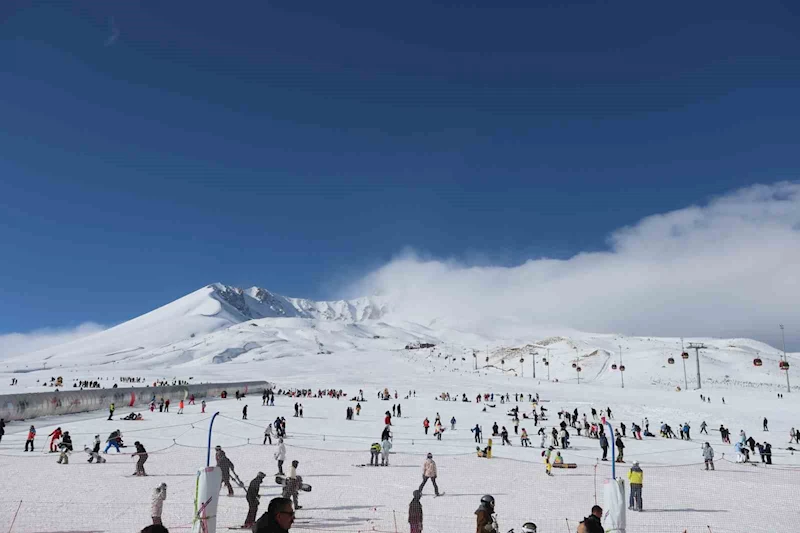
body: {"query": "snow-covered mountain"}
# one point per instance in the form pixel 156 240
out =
pixel 226 332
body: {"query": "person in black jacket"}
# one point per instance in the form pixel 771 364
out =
pixel 252 498
pixel 2 428
pixel 65 446
pixel 141 453
pixel 415 513
pixel 278 518
pixel 620 448
pixel 592 524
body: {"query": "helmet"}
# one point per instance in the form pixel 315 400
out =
pixel 528 527
pixel 488 499
pixel 430 455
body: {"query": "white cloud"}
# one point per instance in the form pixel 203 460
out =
pixel 729 268
pixel 12 344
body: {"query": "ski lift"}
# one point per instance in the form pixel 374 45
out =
pixel 521 360
pixel 578 369
pixel 671 360
pixel 613 367
pixel 784 365
pixel 685 355
pixel 622 368
pixel 547 363
pixel 574 365
pixel 757 362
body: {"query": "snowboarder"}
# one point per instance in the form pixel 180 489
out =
pixel 157 503
pixel 94 452
pixel 111 411
pixel 768 452
pixel 548 467
pixel 504 435
pixel 487 523
pixel 429 472
pixel 766 428
pixel 114 440
pixel 358 409
pixel 268 434
pixel 523 439
pixel 225 465
pixel 244 412
pixel 252 498
pixel 415 513
pixel 280 455
pixel 292 484
pixel 31 436
pixel 142 457
pixel 635 478
pixel 708 456
pixel 65 447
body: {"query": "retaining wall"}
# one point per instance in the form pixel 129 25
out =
pixel 35 404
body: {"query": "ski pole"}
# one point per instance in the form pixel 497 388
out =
pixel 568 529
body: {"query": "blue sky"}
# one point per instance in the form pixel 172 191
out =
pixel 299 146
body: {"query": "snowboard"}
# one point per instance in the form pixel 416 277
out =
pixel 280 480
pixel 565 465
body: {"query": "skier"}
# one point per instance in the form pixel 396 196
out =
pixel 703 427
pixel 708 456
pixel 268 434
pixel 55 435
pixel 114 440
pixel 399 411
pixel 635 477
pixel 685 431
pixel 415 513
pixel 374 451
pixel 386 445
pixel 453 423
pixel 225 465
pixel 768 452
pixel 426 424
pixel 564 437
pixel 487 523
pixel 2 428
pixel 142 454
pixel 280 455
pixel 301 410
pixel 622 427
pixel 244 412
pixel 542 433
pixel 429 472
pixel 66 448
pixel 31 436
pixel 477 431
pixel 252 498
pixel 766 428
pixel 358 408
pixel 594 413
pixel 523 438
pixel 111 411
pixel 157 503
pixel 620 448
pixel 180 407
pixel 604 446
pixel 292 484
pixel 166 406
pixel 203 407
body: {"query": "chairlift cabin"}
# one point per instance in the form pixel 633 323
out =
pixel 671 360
pixel 622 368
pixel 784 365
pixel 613 367
pixel 757 362
pixel 574 365
pixel 685 355
pixel 578 369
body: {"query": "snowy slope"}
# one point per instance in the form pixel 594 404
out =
pixel 223 330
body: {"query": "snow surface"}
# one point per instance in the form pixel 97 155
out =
pixel 341 350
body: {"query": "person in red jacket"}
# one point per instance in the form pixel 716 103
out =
pixel 56 434
pixel 31 436
pixel 387 421
pixel 426 424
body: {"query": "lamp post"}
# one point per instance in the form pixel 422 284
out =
pixel 785 359
pixel 533 360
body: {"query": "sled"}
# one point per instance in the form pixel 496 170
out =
pixel 565 465
pixel 280 480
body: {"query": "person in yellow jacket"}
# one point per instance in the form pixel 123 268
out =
pixel 635 478
pixel 547 466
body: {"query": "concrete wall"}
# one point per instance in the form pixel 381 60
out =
pixel 35 404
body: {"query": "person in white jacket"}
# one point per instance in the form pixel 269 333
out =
pixel 268 434
pixel 386 445
pixel 280 455
pixel 429 472
pixel 157 503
